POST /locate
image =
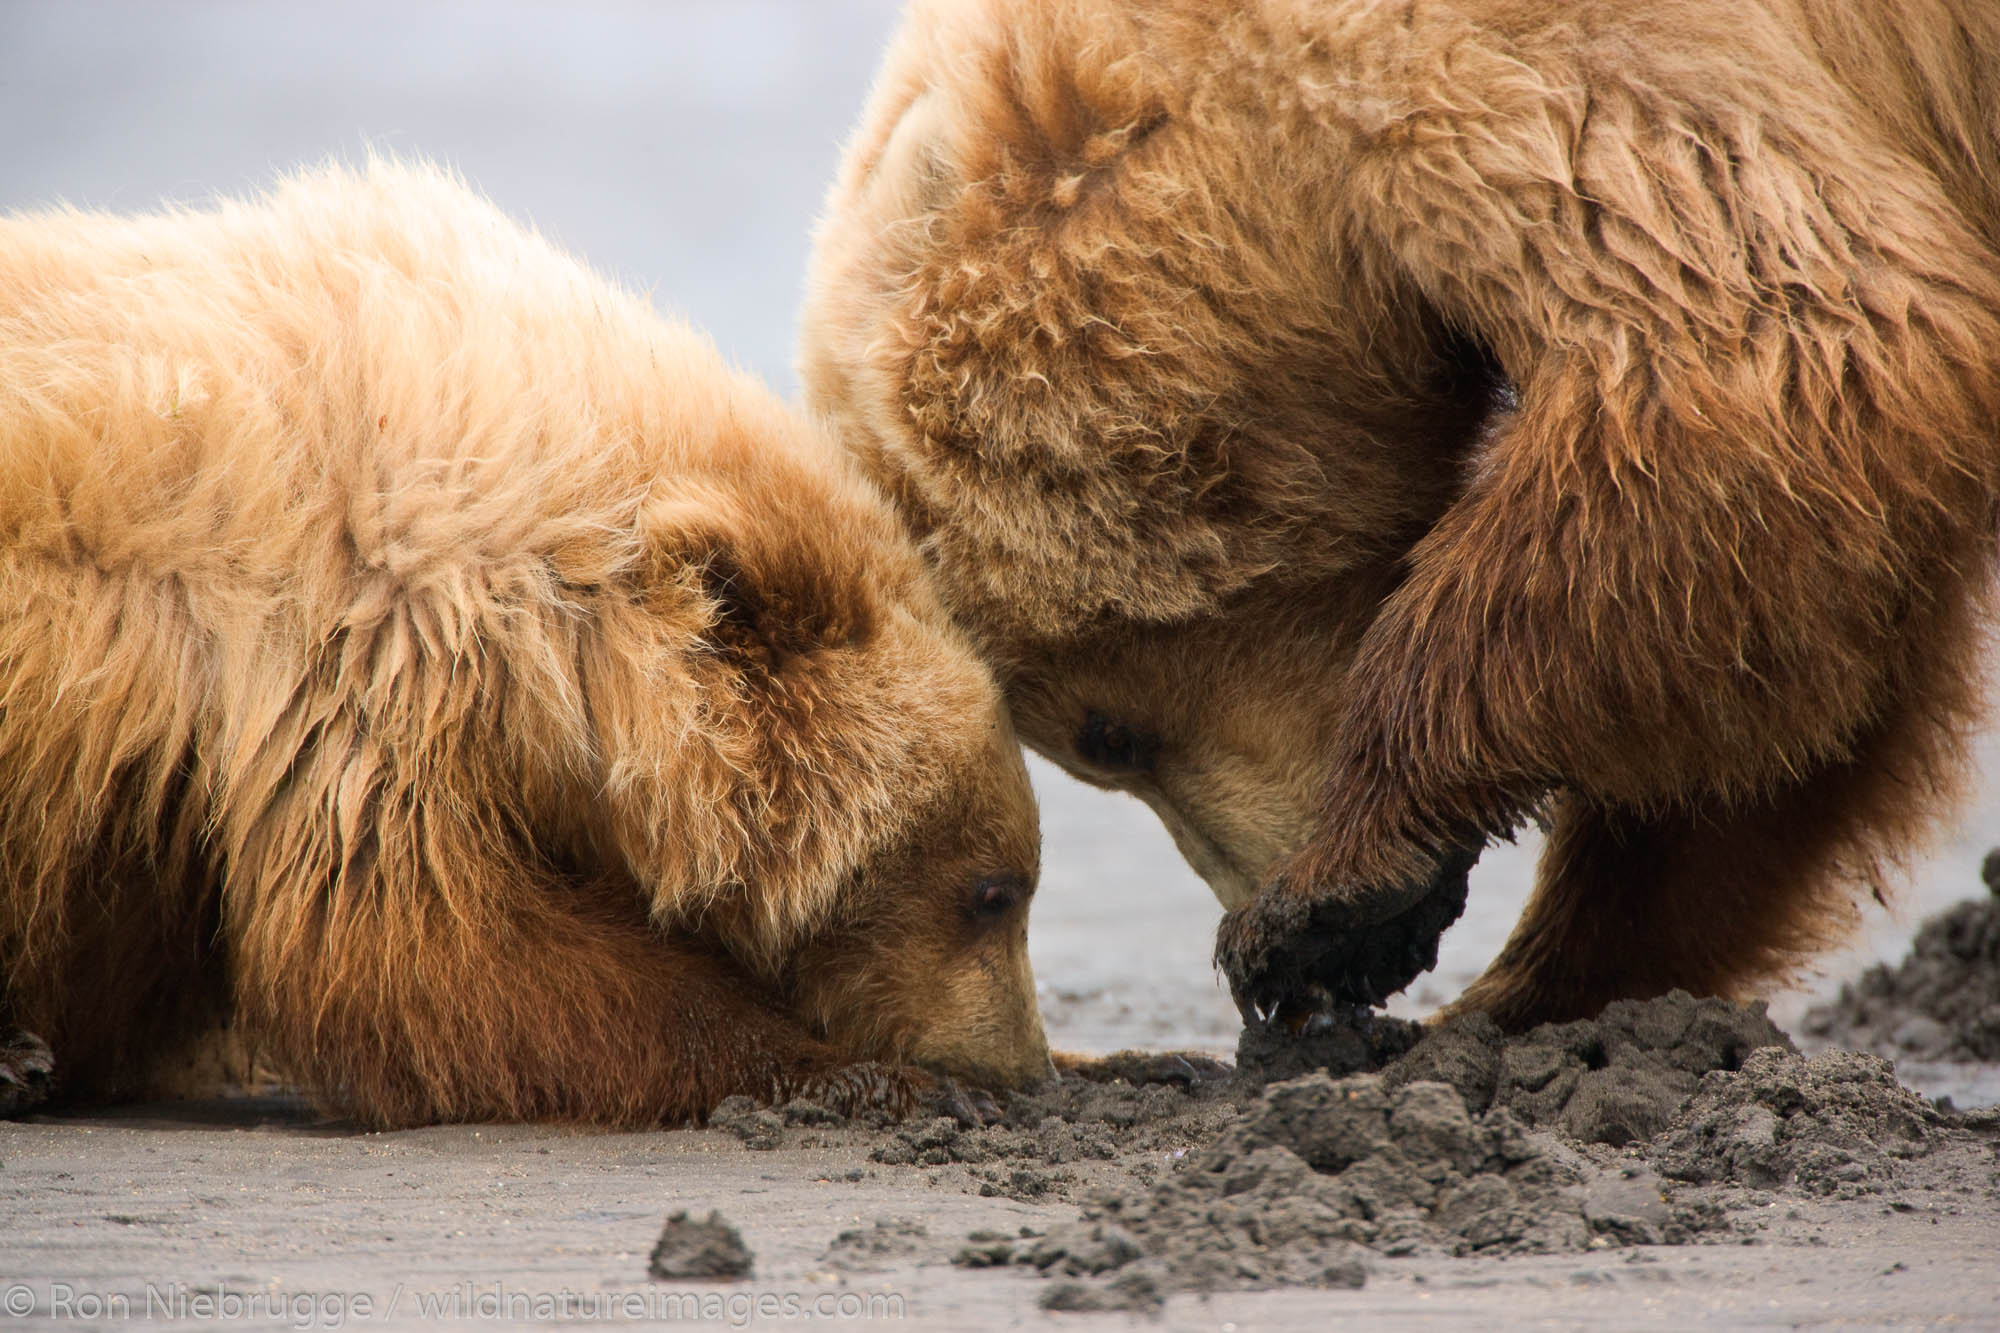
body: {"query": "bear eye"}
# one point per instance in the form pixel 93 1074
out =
pixel 996 895
pixel 1115 746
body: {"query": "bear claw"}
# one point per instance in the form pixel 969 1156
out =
pixel 27 1072
pixel 899 1091
pixel 970 1107
pixel 1285 952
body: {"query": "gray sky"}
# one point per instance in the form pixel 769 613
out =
pixel 681 146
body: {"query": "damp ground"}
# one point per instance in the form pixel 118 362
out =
pixel 1669 1161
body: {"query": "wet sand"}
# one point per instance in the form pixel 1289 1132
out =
pixel 1789 1191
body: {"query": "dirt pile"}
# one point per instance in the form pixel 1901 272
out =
pixel 871 1249
pixel 1617 1078
pixel 689 1249
pixel 1614 1079
pixel 1838 1123
pixel 1314 1174
pixel 1942 1002
pixel 1094 1115
pixel 1355 1041
pixel 1658 1122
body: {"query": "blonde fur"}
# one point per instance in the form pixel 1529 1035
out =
pixel 416 649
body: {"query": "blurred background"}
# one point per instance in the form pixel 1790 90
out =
pixel 681 146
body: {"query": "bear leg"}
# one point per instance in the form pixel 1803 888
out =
pixel 1713 899
pixel 1747 487
pixel 531 998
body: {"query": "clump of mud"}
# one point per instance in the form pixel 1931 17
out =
pixel 1356 1041
pixel 1658 1122
pixel 1296 1190
pixel 1615 1079
pixel 689 1249
pixel 1942 1002
pixel 1466 1141
pixel 1173 1104
pixel 871 1249
pixel 1838 1123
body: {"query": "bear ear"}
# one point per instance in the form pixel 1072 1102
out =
pixel 766 595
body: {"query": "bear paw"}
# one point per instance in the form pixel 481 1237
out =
pixel 900 1091
pixel 1287 951
pixel 27 1072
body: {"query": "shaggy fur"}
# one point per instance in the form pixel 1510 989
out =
pixel 1389 420
pixel 415 651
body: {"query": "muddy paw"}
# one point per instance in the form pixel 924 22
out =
pixel 1286 951
pixel 971 1107
pixel 900 1091
pixel 27 1072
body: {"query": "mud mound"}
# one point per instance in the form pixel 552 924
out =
pixel 1468 1142
pixel 890 1241
pixel 1838 1123
pixel 1400 1168
pixel 1090 1115
pixel 691 1249
pixel 1615 1079
pixel 1355 1041
pixel 1313 1175
pixel 1942 1002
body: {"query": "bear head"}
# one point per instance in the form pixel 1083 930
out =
pixel 1075 304
pixel 808 763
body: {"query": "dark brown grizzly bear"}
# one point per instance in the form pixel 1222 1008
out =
pixel 421 656
pixel 1360 427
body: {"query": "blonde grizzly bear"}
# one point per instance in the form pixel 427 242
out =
pixel 1358 428
pixel 422 656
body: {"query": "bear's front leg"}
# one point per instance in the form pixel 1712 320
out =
pixel 448 981
pixel 1734 523
pixel 900 1091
